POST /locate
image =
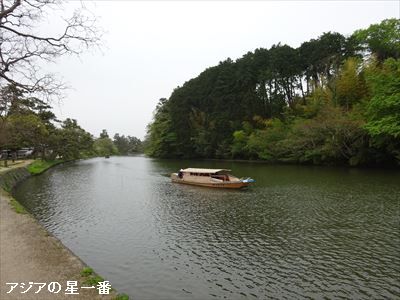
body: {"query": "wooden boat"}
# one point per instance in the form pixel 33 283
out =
pixel 216 178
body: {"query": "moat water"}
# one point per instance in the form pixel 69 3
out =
pixel 299 232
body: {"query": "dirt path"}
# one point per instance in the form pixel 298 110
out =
pixel 16 164
pixel 29 254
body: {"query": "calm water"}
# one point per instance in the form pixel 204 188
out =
pixel 300 232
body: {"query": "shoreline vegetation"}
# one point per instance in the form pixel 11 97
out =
pixel 280 163
pixel 29 252
pixel 28 125
pixel 39 166
pixel 334 100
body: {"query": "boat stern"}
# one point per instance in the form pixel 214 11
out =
pixel 175 177
pixel 248 180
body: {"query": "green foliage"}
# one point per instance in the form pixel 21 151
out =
pixel 25 130
pixel 259 142
pixel 39 166
pixel 350 84
pixel 322 103
pixel 161 138
pixel 239 145
pixel 24 121
pixel 312 106
pixel 127 145
pixel 29 122
pixel 18 208
pixel 70 141
pixel 86 271
pixel 383 111
pixel 104 147
pixel 331 137
pixel 122 297
pixel 90 277
pixel 104 134
pixel 264 141
pixel 381 39
pixel 93 280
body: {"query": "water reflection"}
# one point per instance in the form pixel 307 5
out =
pixel 299 232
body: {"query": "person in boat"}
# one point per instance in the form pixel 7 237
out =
pixel 180 174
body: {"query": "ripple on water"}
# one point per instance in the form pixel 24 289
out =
pixel 299 233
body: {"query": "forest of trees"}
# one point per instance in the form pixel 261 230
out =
pixel 28 122
pixel 26 89
pixel 332 100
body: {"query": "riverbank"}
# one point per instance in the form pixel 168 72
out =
pixel 39 166
pixel 29 254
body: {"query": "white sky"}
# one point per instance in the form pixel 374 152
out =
pixel 152 47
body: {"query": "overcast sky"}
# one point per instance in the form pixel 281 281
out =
pixel 154 46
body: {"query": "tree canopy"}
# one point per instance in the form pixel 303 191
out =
pixel 333 100
pixel 27 122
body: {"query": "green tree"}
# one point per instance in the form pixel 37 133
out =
pixel 350 84
pixel 25 121
pixel 382 40
pixel 104 134
pixel 26 130
pixel 135 145
pixel 161 139
pixel 104 147
pixel 324 102
pixel 383 111
pixel 332 137
pixel 122 144
pixel 71 141
pixel 127 145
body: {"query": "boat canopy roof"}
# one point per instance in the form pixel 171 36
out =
pixel 208 171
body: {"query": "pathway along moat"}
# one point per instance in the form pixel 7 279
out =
pixel 299 232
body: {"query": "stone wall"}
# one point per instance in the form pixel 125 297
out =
pixel 10 178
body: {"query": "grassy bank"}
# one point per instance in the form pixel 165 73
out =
pixel 18 208
pixel 39 165
pixel 22 238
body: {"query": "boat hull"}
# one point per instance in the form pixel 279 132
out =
pixel 221 185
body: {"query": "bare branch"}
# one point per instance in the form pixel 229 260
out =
pixel 23 47
pixel 4 12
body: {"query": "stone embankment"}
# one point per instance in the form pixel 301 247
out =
pixel 30 255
